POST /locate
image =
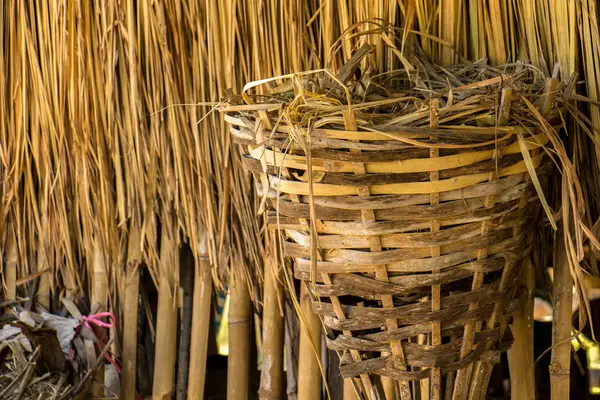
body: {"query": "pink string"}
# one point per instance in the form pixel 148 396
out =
pixel 95 319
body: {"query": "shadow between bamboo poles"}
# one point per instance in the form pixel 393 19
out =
pixel 99 297
pixel 271 380
pixel 203 284
pixel 186 284
pixel 130 314
pixel 309 374
pixel 166 318
pixel 562 298
pixel 521 359
pixel 240 335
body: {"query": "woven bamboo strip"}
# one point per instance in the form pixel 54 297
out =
pixel 367 386
pixel 483 370
pixel 408 166
pixel 380 270
pixel 436 329
pixel 446 185
pixel 463 376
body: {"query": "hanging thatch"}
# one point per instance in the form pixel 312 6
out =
pixel 110 146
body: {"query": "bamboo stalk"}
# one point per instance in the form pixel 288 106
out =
pixel 309 374
pixel 11 266
pixel 200 324
pixel 448 22
pixel 562 299
pixel 350 391
pixel 43 292
pixel 130 314
pixel 99 296
pixel 387 384
pixel 134 251
pixel 271 382
pixel 436 290
pixel 240 334
pixel 166 319
pixel 521 359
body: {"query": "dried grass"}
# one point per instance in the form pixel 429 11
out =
pixel 106 118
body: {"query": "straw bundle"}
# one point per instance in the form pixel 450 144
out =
pixel 106 126
pixel 95 166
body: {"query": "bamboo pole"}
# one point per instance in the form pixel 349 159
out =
pixel 11 265
pixel 130 314
pixel 43 292
pixel 350 391
pixel 309 354
pixel 166 319
pixel 387 384
pixel 436 290
pixel 271 380
pixel 99 296
pixel 292 333
pixel 134 252
pixel 240 336
pixel 521 360
pixel 200 324
pixel 562 299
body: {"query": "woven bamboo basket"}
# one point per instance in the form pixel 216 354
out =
pixel 407 202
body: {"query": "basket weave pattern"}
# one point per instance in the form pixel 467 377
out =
pixel 411 248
